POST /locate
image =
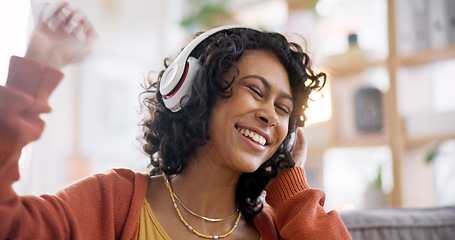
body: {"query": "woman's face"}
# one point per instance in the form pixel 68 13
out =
pixel 247 128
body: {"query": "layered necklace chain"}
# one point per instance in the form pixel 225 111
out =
pixel 202 217
pixel 174 197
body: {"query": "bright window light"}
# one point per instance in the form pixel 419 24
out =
pixel 270 15
pixel 14 20
pixel 351 175
pixel 320 107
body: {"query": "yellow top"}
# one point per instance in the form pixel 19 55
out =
pixel 149 227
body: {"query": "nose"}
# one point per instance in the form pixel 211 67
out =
pixel 268 116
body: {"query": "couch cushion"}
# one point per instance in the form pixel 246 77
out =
pixel 398 223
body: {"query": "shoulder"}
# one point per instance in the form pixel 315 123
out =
pixel 124 178
pixel 112 182
pixel 116 196
pixel 124 173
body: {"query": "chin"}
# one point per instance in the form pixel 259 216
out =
pixel 252 167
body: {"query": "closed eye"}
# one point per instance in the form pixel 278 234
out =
pixel 283 109
pixel 256 91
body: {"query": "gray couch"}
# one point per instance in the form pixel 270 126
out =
pixel 403 224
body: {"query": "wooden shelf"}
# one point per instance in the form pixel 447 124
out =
pixel 418 142
pixel 345 69
pixel 358 142
pixel 366 142
pixel 335 71
pixel 428 56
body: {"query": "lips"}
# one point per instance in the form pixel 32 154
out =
pixel 252 135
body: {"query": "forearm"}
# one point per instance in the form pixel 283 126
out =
pixel 22 100
pixel 55 42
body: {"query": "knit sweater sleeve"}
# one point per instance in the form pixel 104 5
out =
pixel 22 100
pixel 103 206
pixel 299 209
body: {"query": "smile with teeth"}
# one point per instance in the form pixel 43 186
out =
pixel 252 135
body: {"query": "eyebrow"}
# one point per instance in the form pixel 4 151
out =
pixel 267 85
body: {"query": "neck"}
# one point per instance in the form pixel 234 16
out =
pixel 206 187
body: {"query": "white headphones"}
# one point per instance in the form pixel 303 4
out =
pixel 175 84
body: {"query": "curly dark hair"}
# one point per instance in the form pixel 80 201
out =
pixel 171 137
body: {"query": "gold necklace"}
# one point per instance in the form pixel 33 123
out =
pixel 202 217
pixel 168 185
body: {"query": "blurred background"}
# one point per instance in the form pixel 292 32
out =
pixel 381 133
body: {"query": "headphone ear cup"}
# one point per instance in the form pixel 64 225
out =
pixel 175 83
pixel 292 140
pixel 177 98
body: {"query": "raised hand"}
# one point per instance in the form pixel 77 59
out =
pixel 300 151
pixel 62 35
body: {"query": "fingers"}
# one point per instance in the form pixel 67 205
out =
pixel 64 18
pixel 301 149
pixel 74 26
pixel 49 14
pixel 301 140
pixel 80 27
pixel 63 35
pixel 88 29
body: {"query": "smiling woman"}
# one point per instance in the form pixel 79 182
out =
pixel 221 117
pixel 227 140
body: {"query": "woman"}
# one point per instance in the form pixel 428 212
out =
pixel 225 143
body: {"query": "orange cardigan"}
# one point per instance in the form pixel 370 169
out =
pixel 107 206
